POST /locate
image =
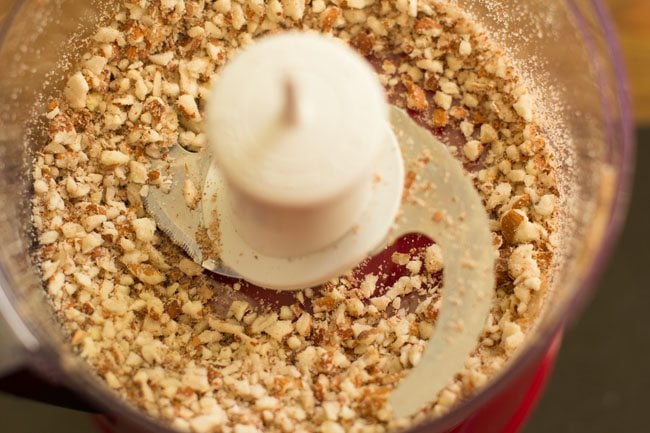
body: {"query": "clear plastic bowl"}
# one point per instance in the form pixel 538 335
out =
pixel 567 47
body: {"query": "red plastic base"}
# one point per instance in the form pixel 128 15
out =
pixel 506 413
pixel 509 410
pixel 536 390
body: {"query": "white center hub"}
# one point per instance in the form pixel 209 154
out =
pixel 308 176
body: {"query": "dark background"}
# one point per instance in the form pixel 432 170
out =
pixel 602 380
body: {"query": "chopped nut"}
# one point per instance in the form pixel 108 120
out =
pixel 262 323
pixel 114 157
pixel 96 65
pixel 440 118
pixel 449 87
pixel 208 423
pixel 238 309
pixel 331 427
pixel 76 91
pixel 433 259
pixel 115 306
pixel 415 97
pixel 381 302
pixel 192 309
pixel 427 26
pixel 332 409
pixel 500 195
pixel 108 35
pixel 240 428
pixel 368 285
pixel 546 205
pixel 488 133
pixel 72 230
pixel 137 172
pixel 527 232
pixel 191 194
pixel 187 106
pixel 144 228
pixel 434 66
pixel 280 329
pixel 360 4
pixel 226 328
pixel 524 107
pixel 190 268
pixel 147 274
pixel 40 186
pixel 318 6
pixel 294 342
pixel 364 43
pixel 443 100
pixel 294 9
pixel 513 336
pixel 465 48
pixel 48 237
pixel 162 59
pixel 329 17
pixel 414 267
pixel 510 223
pixel 90 242
pixel 472 150
pixel 303 325
pixel 306 358
pixel 83 279
pixel 355 307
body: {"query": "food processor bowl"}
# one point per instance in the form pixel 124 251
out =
pixel 566 49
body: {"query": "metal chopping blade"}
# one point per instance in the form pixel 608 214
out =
pixel 444 207
pixel 170 210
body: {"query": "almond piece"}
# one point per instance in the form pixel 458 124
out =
pixel 415 97
pixel 440 118
pixel 510 222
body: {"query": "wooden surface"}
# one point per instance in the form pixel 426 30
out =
pixel 633 21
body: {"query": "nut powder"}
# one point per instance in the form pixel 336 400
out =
pixel 200 354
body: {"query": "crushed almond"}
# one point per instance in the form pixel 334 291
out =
pixel 209 356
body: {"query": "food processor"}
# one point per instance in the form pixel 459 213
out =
pixel 565 47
